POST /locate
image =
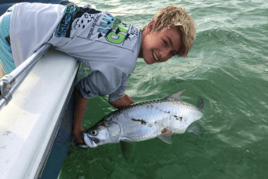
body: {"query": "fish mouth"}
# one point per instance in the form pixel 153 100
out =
pixel 89 141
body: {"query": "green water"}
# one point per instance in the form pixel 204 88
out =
pixel 227 67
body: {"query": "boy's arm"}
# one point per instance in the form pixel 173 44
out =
pixel 88 87
pixel 122 102
pixel 79 106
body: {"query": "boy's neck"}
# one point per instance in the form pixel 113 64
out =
pixel 143 32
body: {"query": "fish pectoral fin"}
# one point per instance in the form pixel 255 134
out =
pixel 176 95
pixel 166 136
pixel 127 149
pixel 124 139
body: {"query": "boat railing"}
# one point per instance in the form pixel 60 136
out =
pixel 10 83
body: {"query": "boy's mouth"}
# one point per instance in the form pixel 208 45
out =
pixel 155 57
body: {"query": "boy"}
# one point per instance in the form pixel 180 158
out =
pixel 108 46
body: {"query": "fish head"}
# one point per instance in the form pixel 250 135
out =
pixel 101 134
pixel 96 136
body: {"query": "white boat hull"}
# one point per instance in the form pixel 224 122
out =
pixel 29 121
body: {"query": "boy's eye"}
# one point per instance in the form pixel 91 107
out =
pixel 172 53
pixel 165 42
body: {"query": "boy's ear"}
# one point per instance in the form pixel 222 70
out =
pixel 151 25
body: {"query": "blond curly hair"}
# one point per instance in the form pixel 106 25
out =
pixel 171 16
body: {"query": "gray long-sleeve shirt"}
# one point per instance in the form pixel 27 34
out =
pixel 102 42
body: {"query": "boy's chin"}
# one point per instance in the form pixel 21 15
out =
pixel 148 61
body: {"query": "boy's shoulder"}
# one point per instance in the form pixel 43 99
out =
pixel 97 26
pixel 98 37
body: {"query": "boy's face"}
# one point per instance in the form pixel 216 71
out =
pixel 159 46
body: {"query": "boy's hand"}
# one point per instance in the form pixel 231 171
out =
pixel 79 105
pixel 78 136
pixel 125 101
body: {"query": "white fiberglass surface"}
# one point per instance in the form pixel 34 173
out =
pixel 27 122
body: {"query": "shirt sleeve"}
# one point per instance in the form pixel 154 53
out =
pixel 101 82
pixel 120 92
pixel 32 25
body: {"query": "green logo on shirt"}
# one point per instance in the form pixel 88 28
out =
pixel 118 31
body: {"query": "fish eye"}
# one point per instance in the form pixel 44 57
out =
pixel 94 132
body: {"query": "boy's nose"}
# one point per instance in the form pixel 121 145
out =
pixel 165 54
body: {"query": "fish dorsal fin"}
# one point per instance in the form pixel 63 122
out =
pixel 166 136
pixel 176 95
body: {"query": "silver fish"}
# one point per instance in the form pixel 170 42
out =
pixel 146 120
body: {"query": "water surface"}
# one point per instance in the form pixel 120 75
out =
pixel 227 67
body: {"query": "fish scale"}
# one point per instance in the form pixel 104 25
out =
pixel 156 116
pixel 143 121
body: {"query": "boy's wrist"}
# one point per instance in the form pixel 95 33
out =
pixel 78 135
pixel 78 128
